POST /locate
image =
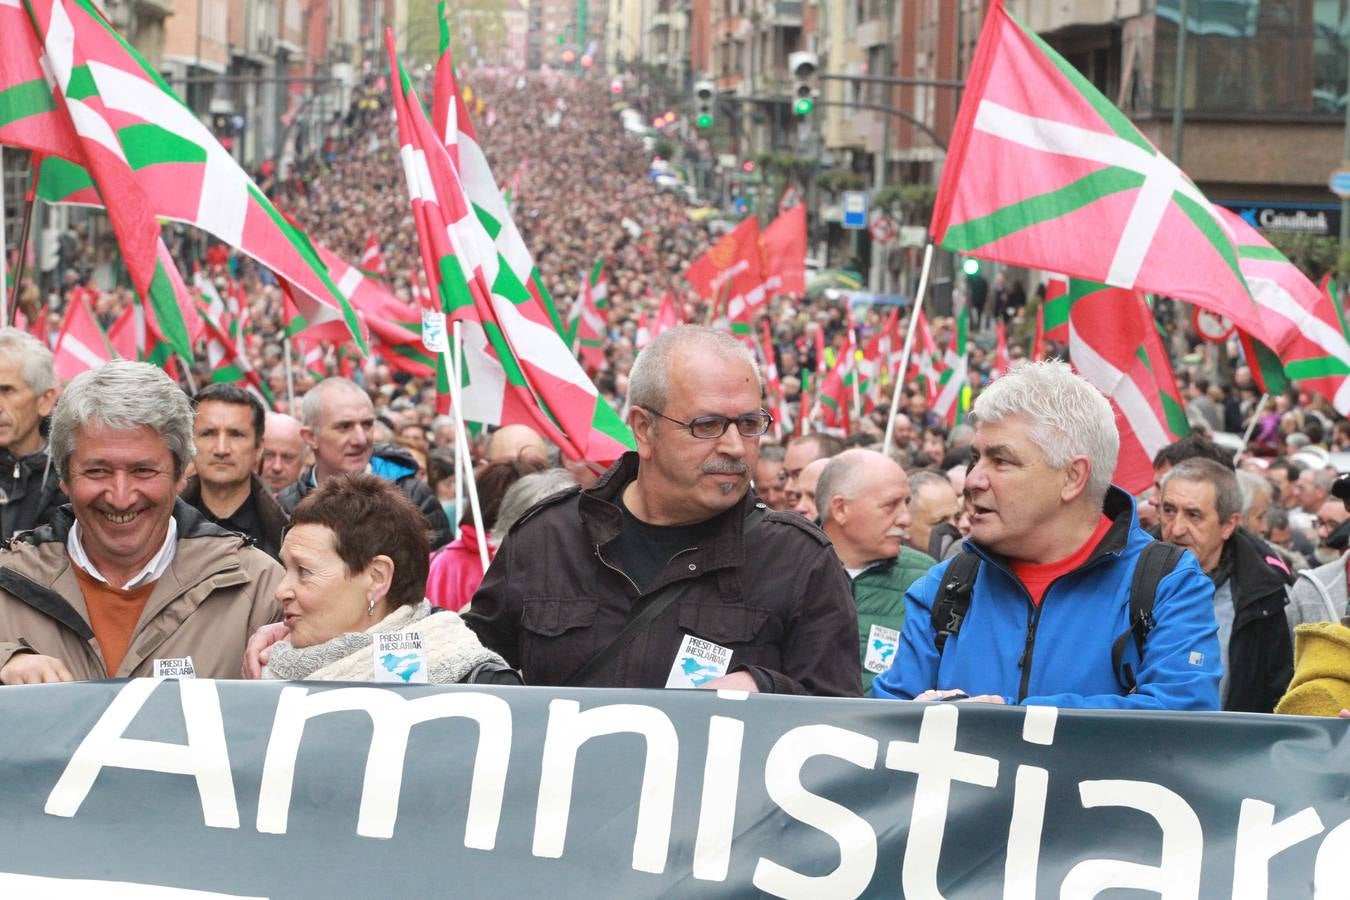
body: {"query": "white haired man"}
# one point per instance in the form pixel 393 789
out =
pixel 863 499
pixel 30 491
pixel 128 580
pixel 1042 606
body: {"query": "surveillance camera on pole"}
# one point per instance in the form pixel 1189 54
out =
pixel 705 96
pixel 804 67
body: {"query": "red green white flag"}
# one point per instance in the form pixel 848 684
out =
pixel 1302 324
pixel 82 344
pixel 450 116
pixel 1114 343
pixel 395 327
pixel 1045 172
pixel 953 381
pixel 147 155
pixel 586 320
pixel 506 330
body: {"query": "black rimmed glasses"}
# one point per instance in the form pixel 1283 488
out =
pixel 710 428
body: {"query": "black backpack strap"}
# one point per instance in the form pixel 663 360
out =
pixel 1156 560
pixel 650 612
pixel 952 601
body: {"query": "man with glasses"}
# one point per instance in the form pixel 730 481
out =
pixel 668 572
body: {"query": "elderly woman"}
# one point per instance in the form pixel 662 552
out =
pixel 356 565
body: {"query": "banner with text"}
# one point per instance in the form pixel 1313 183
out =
pixel 201 789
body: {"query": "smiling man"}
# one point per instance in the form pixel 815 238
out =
pixel 338 424
pixel 127 580
pixel 1038 608
pixel 228 435
pixel 667 572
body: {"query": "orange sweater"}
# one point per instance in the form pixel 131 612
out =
pixel 113 614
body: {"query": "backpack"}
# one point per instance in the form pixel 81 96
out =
pixel 1157 559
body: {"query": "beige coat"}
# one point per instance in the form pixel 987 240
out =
pixel 214 594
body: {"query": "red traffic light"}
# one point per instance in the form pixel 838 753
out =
pixel 748 166
pixel 586 61
pixel 569 55
pixel 616 86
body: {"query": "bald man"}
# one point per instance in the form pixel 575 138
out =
pixel 284 453
pixel 512 443
pixel 806 489
pixel 863 499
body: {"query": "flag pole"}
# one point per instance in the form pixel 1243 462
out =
pixel 7 311
pixel 187 375
pixel 4 260
pixel 915 309
pixel 453 353
pixel 462 443
pixel 1251 426
pixel 290 375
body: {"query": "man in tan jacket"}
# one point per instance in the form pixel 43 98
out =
pixel 128 580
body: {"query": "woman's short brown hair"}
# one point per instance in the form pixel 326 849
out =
pixel 371 517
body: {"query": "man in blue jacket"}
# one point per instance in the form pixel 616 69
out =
pixel 1057 545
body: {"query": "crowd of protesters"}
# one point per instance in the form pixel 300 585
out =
pixel 1255 494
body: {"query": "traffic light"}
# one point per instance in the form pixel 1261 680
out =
pixel 748 166
pixel 804 66
pixel 971 266
pixel 705 96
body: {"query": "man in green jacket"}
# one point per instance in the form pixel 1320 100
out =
pixel 863 499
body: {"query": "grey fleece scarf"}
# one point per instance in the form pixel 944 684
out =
pixel 453 651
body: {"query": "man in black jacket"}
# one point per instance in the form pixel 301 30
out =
pixel 30 489
pixel 1201 509
pixel 669 572
pixel 227 429
pixel 337 419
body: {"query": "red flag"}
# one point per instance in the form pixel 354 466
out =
pixel 1115 345
pixel 667 316
pixel 372 260
pixel 732 269
pixel 784 247
pixel 1002 362
pixel 82 345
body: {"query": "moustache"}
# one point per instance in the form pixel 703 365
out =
pixel 725 467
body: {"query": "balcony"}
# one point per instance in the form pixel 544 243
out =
pixel 660 20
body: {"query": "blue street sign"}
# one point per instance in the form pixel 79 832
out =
pixel 855 210
pixel 1340 183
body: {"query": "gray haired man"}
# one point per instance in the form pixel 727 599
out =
pixel 128 580
pixel 668 572
pixel 29 490
pixel 1201 510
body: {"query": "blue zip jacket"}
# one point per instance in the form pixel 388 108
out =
pixel 1067 641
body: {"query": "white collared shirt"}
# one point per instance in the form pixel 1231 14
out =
pixel 156 567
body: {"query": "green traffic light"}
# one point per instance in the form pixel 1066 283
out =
pixel 971 266
pixel 803 106
pixel 704 120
